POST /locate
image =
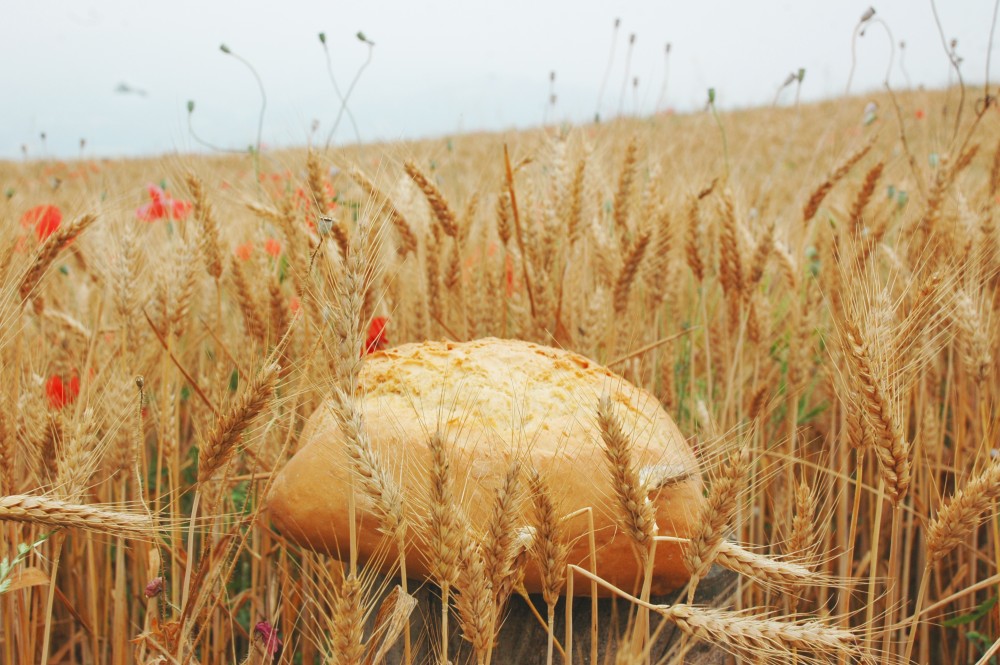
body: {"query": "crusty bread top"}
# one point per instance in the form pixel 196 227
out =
pixel 514 394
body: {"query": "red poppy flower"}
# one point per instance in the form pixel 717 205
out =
pixel 44 218
pixel 59 393
pixel 920 114
pixel 161 205
pixel 294 304
pixel 152 211
pixel 179 209
pixel 272 247
pixel 376 335
pixel 244 252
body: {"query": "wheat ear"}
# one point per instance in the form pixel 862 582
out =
pixel 211 245
pixel 812 205
pixel 773 572
pixel 220 444
pixel 49 251
pixel 635 513
pixel 715 515
pixel 881 413
pixel 56 513
pixel 630 269
pixel 439 206
pixel 762 639
pixel 408 239
pixel 476 609
pixel 962 512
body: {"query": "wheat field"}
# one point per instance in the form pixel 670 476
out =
pixel 809 291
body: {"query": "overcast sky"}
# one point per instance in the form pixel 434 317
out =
pixel 437 67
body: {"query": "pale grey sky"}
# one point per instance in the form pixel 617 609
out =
pixel 437 67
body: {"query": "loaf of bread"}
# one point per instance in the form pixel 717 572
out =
pixel 495 401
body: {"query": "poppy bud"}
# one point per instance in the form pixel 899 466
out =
pixel 869 13
pixel 324 226
pixel 190 106
pixel 154 588
pixel 322 38
pixel 224 48
pixel 711 95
